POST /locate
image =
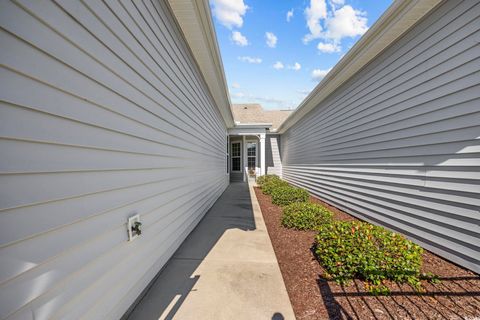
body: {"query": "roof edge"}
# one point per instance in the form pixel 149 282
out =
pixel 253 124
pixel 195 21
pixel 398 18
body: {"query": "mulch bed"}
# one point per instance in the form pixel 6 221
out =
pixel 315 297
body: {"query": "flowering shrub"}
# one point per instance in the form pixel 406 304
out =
pixel 359 249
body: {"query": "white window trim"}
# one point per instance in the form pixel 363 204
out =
pixel 227 156
pixel 240 156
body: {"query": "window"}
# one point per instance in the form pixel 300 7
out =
pixel 251 163
pixel 251 155
pixel 236 157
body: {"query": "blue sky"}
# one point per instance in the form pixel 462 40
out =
pixel 275 62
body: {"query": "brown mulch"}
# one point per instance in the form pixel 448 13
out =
pixel 315 297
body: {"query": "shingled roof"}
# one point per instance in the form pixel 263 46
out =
pixel 254 113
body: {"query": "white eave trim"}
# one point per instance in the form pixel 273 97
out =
pixel 253 125
pixel 195 21
pixel 242 129
pixel 398 18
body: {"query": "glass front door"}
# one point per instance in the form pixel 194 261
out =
pixel 252 157
pixel 236 156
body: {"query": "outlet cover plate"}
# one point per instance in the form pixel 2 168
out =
pixel 131 222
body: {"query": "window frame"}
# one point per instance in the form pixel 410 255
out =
pixel 234 157
pixel 227 156
pixel 256 142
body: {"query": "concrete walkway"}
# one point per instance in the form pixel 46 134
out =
pixel 225 269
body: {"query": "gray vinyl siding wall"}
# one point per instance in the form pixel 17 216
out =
pixel 398 144
pixel 103 114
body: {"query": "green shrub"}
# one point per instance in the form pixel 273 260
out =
pixel 358 249
pixel 285 195
pixel 269 186
pixel 267 178
pixel 305 216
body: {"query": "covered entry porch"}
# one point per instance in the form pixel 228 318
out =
pixel 246 151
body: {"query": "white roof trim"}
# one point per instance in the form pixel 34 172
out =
pixel 253 125
pixel 247 131
pixel 398 18
pixel 195 21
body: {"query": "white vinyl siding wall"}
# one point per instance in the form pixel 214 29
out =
pixel 398 144
pixel 103 114
pixel 273 162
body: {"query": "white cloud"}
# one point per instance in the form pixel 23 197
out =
pixel 235 85
pixel 332 24
pixel 289 15
pixel 278 65
pixel 271 39
pixel 229 12
pixel 237 94
pixel 296 66
pixel 328 47
pixel 248 59
pixel 345 22
pixel 239 39
pixel 272 102
pixel 314 13
pixel 267 101
pixel 318 74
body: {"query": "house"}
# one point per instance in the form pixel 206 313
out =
pixel 253 142
pixel 113 109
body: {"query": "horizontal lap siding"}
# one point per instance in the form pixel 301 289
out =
pixel 103 114
pixel 398 144
pixel 273 161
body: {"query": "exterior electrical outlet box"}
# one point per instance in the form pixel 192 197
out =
pixel 131 223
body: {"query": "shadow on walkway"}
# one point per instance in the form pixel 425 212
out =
pixel 225 267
